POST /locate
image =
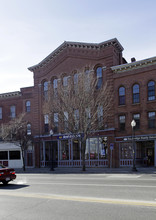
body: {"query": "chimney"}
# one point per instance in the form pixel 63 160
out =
pixel 133 59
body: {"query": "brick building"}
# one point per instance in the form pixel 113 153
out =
pixel 133 88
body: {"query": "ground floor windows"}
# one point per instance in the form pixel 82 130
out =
pixel 64 150
pixel 126 151
pixel 76 150
pixel 68 152
pixel 145 153
pixel 93 148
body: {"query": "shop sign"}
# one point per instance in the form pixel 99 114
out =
pixel 137 138
pixel 70 136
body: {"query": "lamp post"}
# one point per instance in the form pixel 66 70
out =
pixel 51 134
pixel 133 124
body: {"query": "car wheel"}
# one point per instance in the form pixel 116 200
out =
pixel 5 182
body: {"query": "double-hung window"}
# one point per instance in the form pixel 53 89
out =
pixel 136 117
pixel 56 120
pixel 99 77
pixel 100 115
pixel 136 93
pixel 1 116
pixel 28 106
pixel 87 80
pixel 13 111
pixel 151 119
pixel 151 90
pixel 46 123
pixel 65 81
pixel 76 118
pixel 122 120
pixel 55 85
pixel 45 90
pixel 28 129
pixel 66 121
pixel 122 95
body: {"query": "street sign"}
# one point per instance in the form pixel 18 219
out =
pixel 111 146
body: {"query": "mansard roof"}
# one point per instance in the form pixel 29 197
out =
pixel 68 44
pixel 134 65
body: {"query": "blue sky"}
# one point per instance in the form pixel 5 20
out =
pixel 31 29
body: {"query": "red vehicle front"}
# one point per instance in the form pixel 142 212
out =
pixel 6 174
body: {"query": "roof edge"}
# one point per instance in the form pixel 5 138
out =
pixel 136 64
pixel 65 44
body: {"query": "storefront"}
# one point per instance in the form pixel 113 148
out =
pixel 145 150
pixel 66 152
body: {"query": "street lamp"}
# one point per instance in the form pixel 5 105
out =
pixel 133 124
pixel 51 134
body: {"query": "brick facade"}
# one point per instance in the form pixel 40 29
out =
pixel 72 57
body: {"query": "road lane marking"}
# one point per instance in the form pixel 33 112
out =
pixel 82 199
pixel 92 184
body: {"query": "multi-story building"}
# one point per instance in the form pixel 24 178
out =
pixel 133 89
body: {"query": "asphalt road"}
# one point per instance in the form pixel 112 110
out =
pixel 79 196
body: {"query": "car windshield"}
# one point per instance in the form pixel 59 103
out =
pixel 2 166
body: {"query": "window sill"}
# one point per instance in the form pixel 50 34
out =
pixel 151 101
pixel 136 103
pixel 121 106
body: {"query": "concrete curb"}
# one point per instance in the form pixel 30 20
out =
pixel 70 170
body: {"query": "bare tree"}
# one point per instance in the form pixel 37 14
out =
pixel 81 105
pixel 17 131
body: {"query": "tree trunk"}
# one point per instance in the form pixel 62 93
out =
pixel 83 149
pixel 23 160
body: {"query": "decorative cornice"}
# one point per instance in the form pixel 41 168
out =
pixel 78 45
pixel 10 94
pixel 134 65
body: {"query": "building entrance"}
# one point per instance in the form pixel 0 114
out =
pixel 150 156
pixel 54 154
pixel 49 154
pixel 145 153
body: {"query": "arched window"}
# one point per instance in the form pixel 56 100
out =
pixel 76 80
pixel 87 80
pixel 0 112
pixel 151 90
pixel 28 106
pixel 45 89
pixel 136 93
pixel 122 95
pixel 28 129
pixel 99 77
pixel 55 85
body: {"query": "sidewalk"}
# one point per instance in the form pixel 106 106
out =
pixel 73 170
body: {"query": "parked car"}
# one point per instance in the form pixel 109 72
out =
pixel 6 174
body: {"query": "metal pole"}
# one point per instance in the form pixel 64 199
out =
pixel 52 168
pixel 134 150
